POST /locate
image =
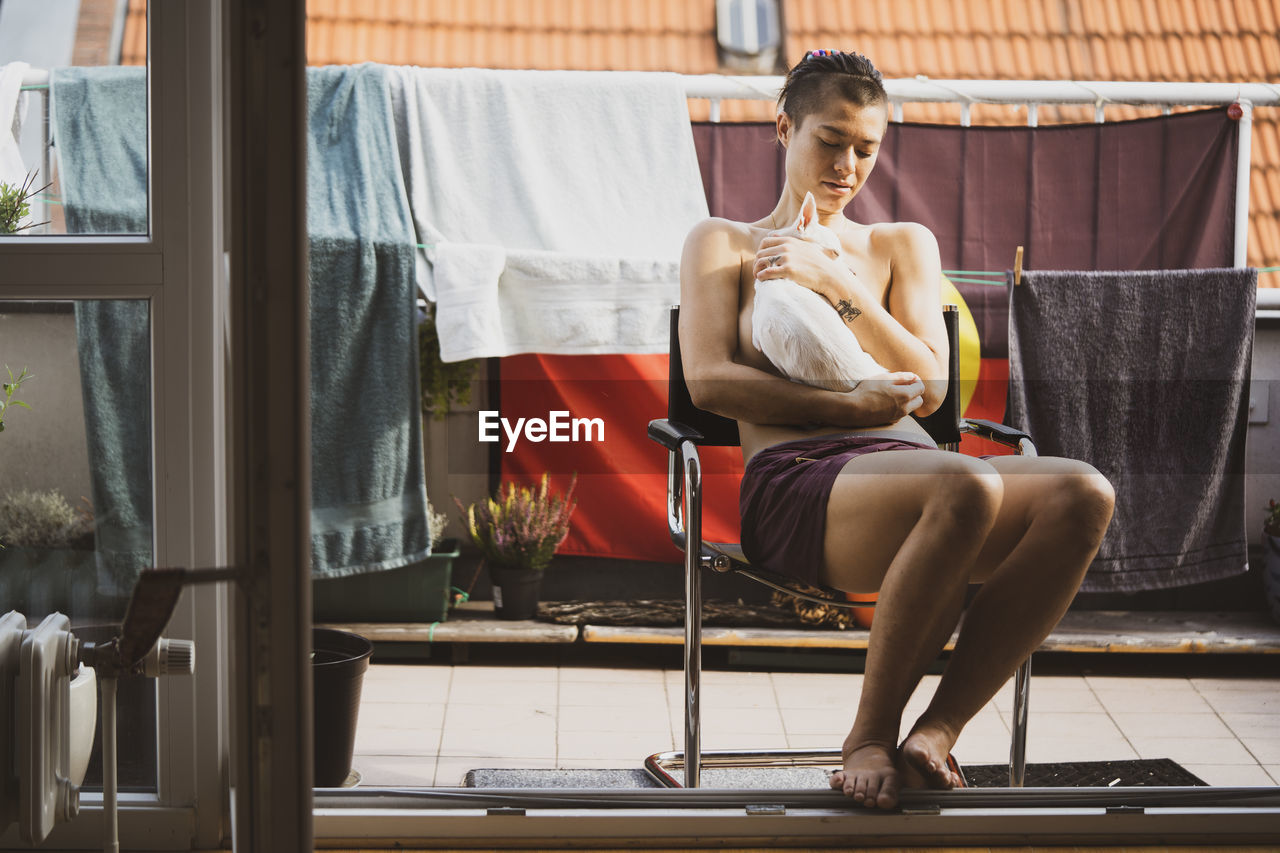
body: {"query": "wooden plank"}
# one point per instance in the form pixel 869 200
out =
pixel 462 631
pixel 775 637
pixel 1084 631
pixel 1232 632
pixel 1089 632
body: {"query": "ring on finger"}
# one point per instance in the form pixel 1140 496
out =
pixel 774 259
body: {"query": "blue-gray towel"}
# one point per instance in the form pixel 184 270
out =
pixel 369 500
pixel 368 486
pixel 1144 375
pixel 99 119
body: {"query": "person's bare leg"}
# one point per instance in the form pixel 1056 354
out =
pixel 1051 522
pixel 909 523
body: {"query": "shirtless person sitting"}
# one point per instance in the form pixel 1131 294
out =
pixel 845 488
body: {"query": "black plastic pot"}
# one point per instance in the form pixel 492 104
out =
pixel 515 592
pixel 338 668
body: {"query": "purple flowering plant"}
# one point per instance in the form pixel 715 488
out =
pixel 520 526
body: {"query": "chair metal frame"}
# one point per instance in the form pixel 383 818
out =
pixel 681 432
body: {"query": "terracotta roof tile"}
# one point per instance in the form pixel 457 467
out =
pixel 1266 17
pixel 1225 17
pixel 1255 64
pixel 1111 21
pixel 1038 21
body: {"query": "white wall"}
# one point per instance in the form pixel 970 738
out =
pixel 1262 459
pixel 43 448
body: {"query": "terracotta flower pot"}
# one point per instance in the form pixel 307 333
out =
pixel 863 615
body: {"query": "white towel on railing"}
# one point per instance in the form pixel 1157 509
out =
pixel 13 109
pixel 584 185
pixel 497 303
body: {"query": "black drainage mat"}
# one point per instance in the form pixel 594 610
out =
pixel 544 778
pixel 1075 774
pixel 736 778
pixel 1144 772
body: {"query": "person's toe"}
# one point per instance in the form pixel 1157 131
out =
pixel 868 790
pixel 888 797
pixel 936 774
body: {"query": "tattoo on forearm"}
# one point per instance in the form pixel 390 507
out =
pixel 847 311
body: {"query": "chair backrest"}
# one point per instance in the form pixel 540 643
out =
pixel 943 425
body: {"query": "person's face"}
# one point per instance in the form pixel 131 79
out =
pixel 832 150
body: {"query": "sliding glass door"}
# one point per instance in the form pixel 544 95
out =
pixel 110 267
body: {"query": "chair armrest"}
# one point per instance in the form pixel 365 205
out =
pixel 993 431
pixel 671 434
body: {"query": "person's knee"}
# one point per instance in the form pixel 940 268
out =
pixel 1085 499
pixel 968 491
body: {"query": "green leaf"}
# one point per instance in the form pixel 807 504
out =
pixel 22 404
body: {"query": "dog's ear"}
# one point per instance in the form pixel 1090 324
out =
pixel 808 213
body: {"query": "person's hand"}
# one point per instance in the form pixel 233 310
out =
pixel 783 255
pixel 887 398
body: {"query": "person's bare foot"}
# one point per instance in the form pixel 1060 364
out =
pixel 869 776
pixel 925 751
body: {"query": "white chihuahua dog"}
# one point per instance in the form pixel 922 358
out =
pixel 799 331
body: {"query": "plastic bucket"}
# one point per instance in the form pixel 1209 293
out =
pixel 515 592
pixel 338 666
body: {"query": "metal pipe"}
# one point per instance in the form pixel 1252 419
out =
pixel 1018 744
pixel 675 489
pixel 923 90
pixel 1244 155
pixel 110 810
pixel 692 468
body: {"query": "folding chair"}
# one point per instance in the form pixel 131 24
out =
pixel 685 428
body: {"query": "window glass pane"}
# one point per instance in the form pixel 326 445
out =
pixel 73 117
pixel 76 481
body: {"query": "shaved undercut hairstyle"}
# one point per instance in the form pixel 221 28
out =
pixel 823 74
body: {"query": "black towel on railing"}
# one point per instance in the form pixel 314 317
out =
pixel 1144 375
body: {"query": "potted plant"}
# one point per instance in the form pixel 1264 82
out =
pixel 1271 558
pixel 15 204
pixel 517 532
pixel 8 389
pixel 418 592
pixel 47 560
pixel 444 383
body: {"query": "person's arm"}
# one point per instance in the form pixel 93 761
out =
pixel 710 269
pixel 910 335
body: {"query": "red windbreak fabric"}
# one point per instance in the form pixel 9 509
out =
pixel 622 479
pixel 1148 194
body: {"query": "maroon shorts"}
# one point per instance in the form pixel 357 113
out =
pixel 784 493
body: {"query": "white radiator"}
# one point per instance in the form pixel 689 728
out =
pixel 36 777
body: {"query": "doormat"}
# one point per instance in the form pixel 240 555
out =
pixel 1142 772
pixel 1145 772
pixel 749 778
pixel 663 613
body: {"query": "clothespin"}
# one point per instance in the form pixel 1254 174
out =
pixel 1017 267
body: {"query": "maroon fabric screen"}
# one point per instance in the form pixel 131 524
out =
pixel 1149 194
